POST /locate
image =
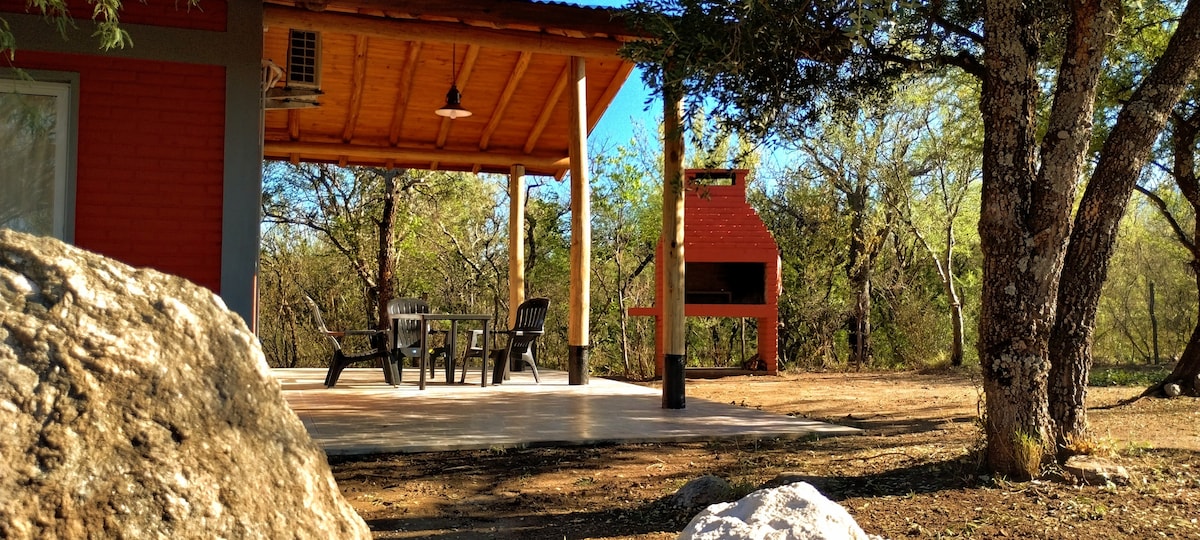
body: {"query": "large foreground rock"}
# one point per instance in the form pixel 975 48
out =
pixel 135 405
pixel 791 512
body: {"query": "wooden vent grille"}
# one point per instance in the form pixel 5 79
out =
pixel 304 59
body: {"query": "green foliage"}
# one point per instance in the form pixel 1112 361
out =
pixel 1147 252
pixel 627 216
pixel 1127 375
pixel 809 226
pixel 780 65
pixel 1142 38
pixel 915 171
pixel 105 15
pixel 320 237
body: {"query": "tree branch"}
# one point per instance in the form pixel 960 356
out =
pixel 1165 212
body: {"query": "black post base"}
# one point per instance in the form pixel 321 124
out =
pixel 673 379
pixel 577 364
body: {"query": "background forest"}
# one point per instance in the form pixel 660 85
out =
pixel 875 214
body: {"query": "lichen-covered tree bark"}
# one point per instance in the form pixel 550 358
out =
pixel 1019 269
pixel 1093 238
pixel 1028 191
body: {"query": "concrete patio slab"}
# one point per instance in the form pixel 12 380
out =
pixel 364 415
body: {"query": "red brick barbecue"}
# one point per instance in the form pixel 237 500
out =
pixel 731 261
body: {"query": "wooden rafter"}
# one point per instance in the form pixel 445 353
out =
pixel 410 154
pixel 293 124
pixel 293 119
pixel 439 32
pixel 405 92
pixel 358 84
pixel 540 125
pixel 505 97
pixel 509 72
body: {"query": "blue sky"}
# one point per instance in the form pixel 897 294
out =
pixel 629 112
pixel 629 107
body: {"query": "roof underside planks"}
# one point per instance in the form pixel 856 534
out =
pixel 386 66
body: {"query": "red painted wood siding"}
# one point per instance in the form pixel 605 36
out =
pixel 208 15
pixel 150 161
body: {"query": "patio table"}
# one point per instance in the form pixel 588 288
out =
pixel 451 342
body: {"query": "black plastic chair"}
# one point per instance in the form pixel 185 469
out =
pixel 530 325
pixel 340 359
pixel 406 334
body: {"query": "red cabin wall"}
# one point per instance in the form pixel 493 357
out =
pixel 150 160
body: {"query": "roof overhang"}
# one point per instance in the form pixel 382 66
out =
pixel 386 66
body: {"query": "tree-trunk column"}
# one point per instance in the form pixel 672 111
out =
pixel 581 229
pixel 516 241
pixel 674 322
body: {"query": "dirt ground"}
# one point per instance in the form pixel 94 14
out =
pixel 913 474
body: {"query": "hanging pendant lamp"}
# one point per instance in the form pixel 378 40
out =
pixel 453 107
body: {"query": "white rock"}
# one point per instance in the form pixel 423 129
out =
pixel 1172 390
pixel 791 512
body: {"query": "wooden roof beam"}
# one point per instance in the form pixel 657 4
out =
pixel 383 153
pixel 358 83
pixel 505 97
pixel 439 32
pixel 405 92
pixel 540 125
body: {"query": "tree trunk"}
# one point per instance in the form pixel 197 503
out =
pixel 1020 260
pixel 858 269
pixel 956 314
pixel 1122 158
pixel 1154 327
pixel 387 246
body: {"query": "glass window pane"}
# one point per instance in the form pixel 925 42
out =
pixel 32 164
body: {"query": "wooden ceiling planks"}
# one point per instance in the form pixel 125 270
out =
pixel 510 87
pixel 382 82
pixel 358 84
pixel 404 92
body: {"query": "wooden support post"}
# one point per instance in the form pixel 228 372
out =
pixel 674 323
pixel 516 241
pixel 581 227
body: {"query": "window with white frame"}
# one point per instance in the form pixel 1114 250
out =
pixel 35 138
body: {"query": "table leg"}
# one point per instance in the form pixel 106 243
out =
pixel 487 352
pixel 450 351
pixel 390 373
pixel 424 353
